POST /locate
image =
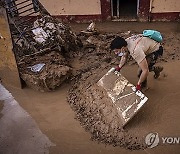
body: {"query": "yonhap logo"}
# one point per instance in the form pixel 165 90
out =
pixel 171 140
pixel 152 140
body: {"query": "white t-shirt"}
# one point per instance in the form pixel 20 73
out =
pixel 139 47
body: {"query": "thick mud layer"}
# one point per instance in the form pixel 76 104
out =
pixel 93 108
pixel 98 115
pixel 54 72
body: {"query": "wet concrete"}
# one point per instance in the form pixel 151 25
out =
pixel 19 133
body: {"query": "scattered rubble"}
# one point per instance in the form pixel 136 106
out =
pixel 49 42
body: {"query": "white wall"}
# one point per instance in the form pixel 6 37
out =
pixel 72 7
pixel 162 6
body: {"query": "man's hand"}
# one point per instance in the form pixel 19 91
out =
pixel 117 69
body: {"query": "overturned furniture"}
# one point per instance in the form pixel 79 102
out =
pixel 40 44
pixel 123 95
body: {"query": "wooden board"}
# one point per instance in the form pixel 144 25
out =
pixel 123 94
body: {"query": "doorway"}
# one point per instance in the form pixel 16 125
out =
pixel 124 9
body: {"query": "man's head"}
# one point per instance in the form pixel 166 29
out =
pixel 118 45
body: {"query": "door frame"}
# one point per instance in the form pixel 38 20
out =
pixel 118 15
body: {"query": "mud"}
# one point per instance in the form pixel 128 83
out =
pixel 96 113
pixel 52 74
pixel 98 116
pixel 161 114
pixel 18 127
pixel 42 40
pixel 56 119
pixel 93 108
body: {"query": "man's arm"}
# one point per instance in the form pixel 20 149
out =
pixel 123 59
pixel 145 70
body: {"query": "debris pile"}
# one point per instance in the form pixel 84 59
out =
pixel 49 42
pixel 51 74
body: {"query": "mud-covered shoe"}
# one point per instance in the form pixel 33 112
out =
pixel 157 70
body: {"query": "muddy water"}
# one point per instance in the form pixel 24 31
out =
pixel 56 119
pixel 18 132
pixel 160 114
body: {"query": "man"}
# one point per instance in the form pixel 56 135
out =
pixel 145 52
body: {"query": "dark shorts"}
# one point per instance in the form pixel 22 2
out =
pixel 152 58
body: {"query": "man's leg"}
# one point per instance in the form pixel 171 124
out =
pixel 144 83
pixel 157 69
pixel 151 60
pixel 151 63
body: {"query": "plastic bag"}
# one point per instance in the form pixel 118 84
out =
pixel 153 34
